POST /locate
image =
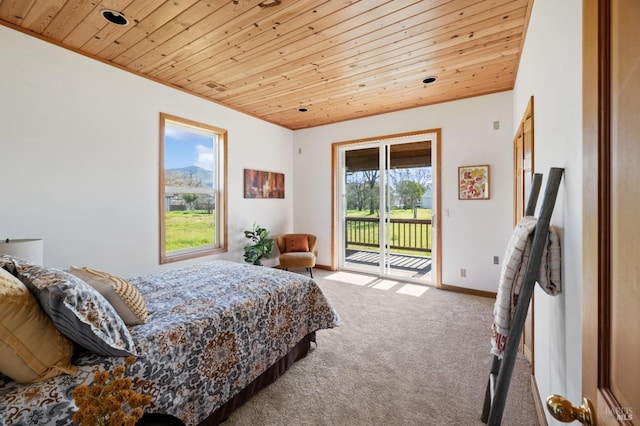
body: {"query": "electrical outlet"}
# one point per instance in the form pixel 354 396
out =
pixel 463 273
pixel 496 260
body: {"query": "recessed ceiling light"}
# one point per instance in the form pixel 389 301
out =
pixel 429 80
pixel 114 17
pixel 302 109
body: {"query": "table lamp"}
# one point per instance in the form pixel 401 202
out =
pixel 27 249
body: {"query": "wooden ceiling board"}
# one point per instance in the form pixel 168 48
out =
pixel 499 49
pixel 149 20
pixel 266 49
pixel 370 78
pixel 14 11
pixel 224 32
pixel 369 72
pixel 340 59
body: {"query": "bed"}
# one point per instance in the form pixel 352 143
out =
pixel 215 334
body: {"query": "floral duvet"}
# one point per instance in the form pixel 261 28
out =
pixel 212 329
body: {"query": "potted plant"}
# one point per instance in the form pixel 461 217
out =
pixel 261 245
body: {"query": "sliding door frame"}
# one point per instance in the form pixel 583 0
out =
pixel 435 135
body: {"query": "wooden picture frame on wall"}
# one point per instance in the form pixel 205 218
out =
pixel 261 184
pixel 473 182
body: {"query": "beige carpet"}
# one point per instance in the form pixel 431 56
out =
pixel 404 355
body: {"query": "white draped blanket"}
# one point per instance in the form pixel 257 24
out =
pixel 512 275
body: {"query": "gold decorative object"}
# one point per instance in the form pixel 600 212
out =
pixel 109 400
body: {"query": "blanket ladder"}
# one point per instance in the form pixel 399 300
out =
pixel 501 370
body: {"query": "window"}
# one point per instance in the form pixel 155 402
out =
pixel 193 175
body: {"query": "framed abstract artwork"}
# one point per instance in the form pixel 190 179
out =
pixel 260 184
pixel 473 182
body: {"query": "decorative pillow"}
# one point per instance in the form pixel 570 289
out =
pixel 123 296
pixel 77 310
pixel 296 243
pixel 31 348
pixel 6 262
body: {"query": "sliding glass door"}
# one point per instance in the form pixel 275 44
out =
pixel 361 208
pixel 386 204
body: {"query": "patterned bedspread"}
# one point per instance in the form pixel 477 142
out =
pixel 212 329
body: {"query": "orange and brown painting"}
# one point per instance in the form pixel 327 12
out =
pixel 260 184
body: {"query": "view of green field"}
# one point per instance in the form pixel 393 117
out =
pixel 189 229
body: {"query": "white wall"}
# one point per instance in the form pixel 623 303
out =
pixel 474 231
pixel 551 71
pixel 79 161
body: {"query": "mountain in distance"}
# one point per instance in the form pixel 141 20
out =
pixel 190 176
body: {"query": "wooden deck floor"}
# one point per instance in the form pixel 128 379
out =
pixel 411 263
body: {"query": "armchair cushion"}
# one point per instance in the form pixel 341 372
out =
pixel 296 243
pixel 298 259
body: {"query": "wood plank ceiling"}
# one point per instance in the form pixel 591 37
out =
pixel 339 59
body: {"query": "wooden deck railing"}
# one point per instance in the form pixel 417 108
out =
pixel 406 234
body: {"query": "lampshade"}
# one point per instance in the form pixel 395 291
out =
pixel 27 249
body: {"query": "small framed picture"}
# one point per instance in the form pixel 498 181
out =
pixel 473 182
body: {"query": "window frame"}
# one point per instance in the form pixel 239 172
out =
pixel 220 170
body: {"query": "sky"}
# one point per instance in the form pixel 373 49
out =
pixel 183 148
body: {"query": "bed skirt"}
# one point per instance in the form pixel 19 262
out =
pixel 265 379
